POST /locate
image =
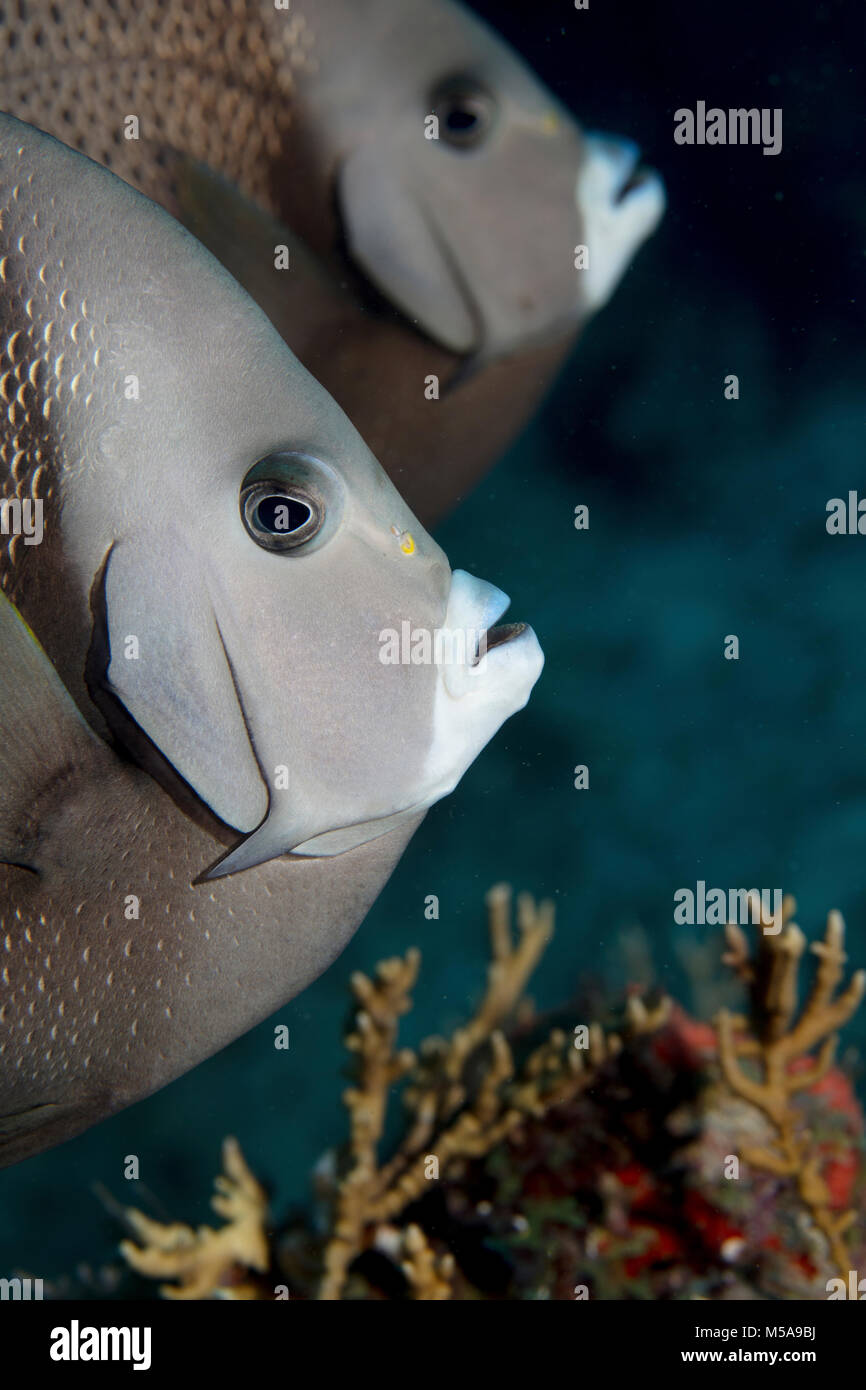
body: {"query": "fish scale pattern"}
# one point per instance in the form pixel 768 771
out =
pixel 78 69
pixel 48 347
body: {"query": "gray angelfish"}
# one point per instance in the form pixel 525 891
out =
pixel 231 594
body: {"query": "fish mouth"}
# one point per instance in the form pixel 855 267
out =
pixel 614 171
pixel 640 177
pixel 491 632
pixel 497 637
pixel 496 684
pixel 475 611
pixel 620 201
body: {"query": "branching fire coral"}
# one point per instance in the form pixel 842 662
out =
pixel 206 1261
pixel 781 1046
pixel 428 1274
pixel 452 1119
pixel 464 1096
pixel 534 1163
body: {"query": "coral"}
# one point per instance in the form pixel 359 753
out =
pixel 207 1261
pixel 779 1047
pixel 453 1119
pixel 529 1169
pixel 429 1276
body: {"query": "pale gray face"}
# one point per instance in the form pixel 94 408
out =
pixel 249 551
pixel 472 234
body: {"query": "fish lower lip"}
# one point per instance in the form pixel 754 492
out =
pixel 498 636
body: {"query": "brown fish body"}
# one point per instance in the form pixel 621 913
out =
pixel 245 124
pixel 117 972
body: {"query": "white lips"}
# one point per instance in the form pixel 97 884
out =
pixel 474 606
pixel 614 224
pixel 473 700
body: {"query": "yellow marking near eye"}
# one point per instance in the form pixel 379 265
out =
pixel 406 539
pixel 550 123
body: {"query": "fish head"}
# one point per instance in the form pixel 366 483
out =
pixel 374 676
pixel 468 196
pixel 246 563
pixel 304 658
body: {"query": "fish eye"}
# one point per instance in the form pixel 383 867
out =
pixel 282 504
pixel 278 519
pixel 466 111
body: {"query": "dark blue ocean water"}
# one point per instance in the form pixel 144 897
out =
pixel 707 518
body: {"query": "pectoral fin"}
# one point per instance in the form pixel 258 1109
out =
pixel 42 733
pixel 395 242
pixel 168 668
pixel 27 1131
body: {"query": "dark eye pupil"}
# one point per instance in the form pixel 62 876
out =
pixel 280 515
pixel 460 120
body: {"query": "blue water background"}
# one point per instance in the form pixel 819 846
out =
pixel 707 519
